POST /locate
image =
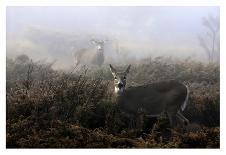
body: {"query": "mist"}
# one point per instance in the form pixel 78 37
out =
pixel 132 33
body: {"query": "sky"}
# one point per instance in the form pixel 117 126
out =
pixel 139 31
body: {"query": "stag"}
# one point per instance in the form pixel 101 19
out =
pixel 90 57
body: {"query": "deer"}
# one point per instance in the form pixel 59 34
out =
pixel 152 100
pixel 89 57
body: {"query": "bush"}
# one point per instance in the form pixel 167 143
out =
pixel 49 108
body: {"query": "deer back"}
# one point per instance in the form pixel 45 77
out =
pixel 155 98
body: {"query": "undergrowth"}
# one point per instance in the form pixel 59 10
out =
pixel 46 108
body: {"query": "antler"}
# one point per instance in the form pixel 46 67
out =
pixel 98 42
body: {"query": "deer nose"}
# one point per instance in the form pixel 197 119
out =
pixel 120 85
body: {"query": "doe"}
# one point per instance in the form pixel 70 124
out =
pixel 169 97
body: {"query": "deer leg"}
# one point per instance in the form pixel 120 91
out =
pixel 139 121
pixel 132 122
pixel 172 119
pixel 181 117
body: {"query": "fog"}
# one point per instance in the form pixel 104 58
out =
pixel 132 33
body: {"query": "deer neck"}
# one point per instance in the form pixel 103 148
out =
pixel 119 92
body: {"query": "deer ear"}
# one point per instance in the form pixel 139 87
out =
pixel 112 69
pixel 128 68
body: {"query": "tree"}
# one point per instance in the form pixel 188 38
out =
pixel 22 59
pixel 210 40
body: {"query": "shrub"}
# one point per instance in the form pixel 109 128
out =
pixel 49 108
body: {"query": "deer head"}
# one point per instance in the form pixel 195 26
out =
pixel 99 44
pixel 119 79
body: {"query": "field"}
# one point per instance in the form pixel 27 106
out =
pixel 49 108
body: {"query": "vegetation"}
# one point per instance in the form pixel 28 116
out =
pixel 58 109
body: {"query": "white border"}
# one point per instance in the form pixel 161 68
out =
pixel 2 75
pixel 113 2
pixel 4 3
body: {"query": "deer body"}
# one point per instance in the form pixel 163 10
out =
pixel 91 57
pixel 152 100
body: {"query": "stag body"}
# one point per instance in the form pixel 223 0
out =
pixel 89 57
pixel 152 100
